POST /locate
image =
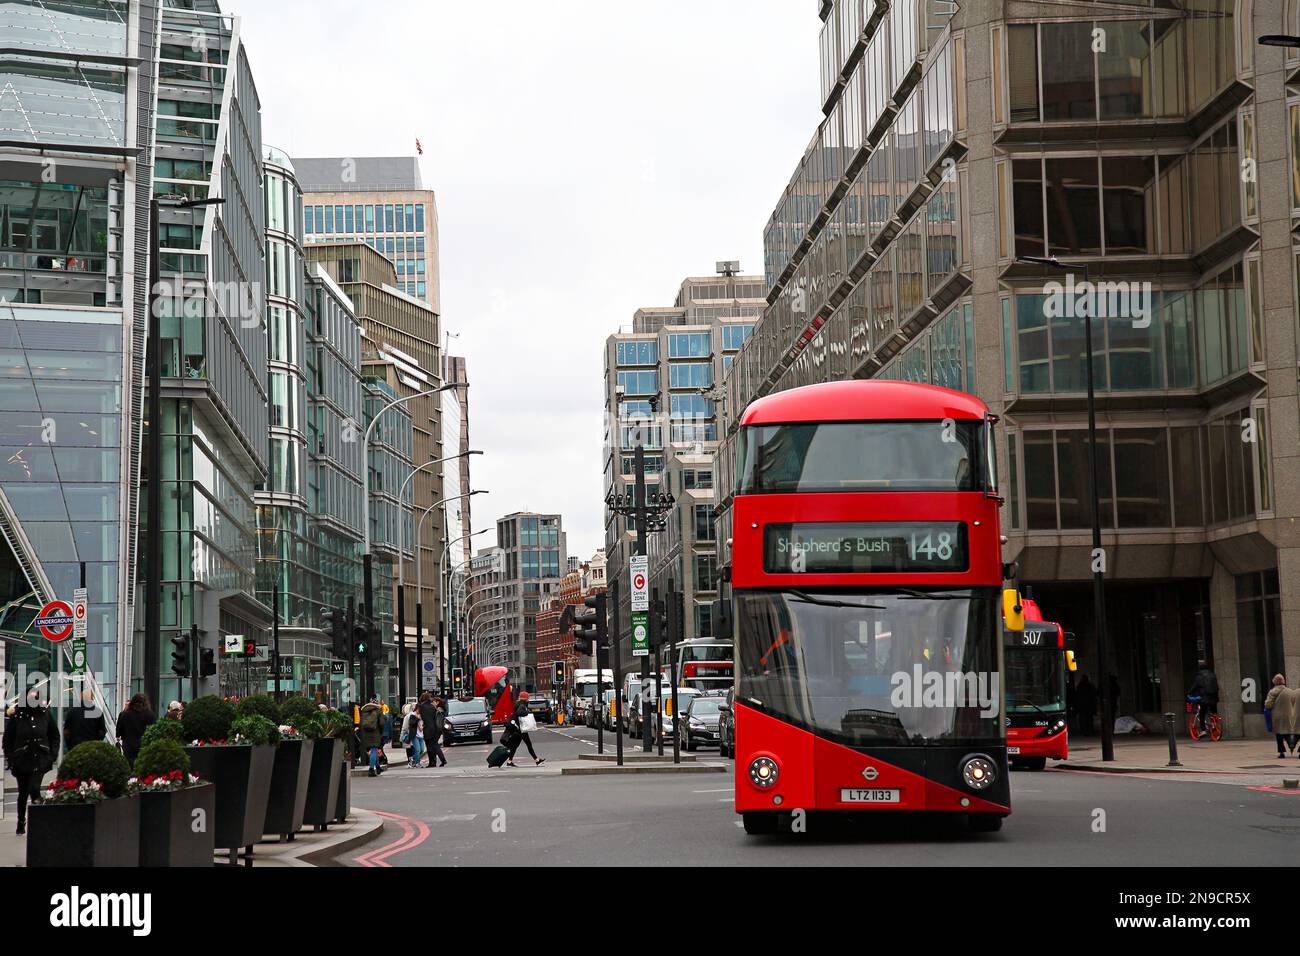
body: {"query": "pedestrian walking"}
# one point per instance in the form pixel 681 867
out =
pixel 131 725
pixel 1086 700
pixel 84 722
pixel 1281 705
pixel 518 727
pixel 31 740
pixel 372 733
pixel 435 724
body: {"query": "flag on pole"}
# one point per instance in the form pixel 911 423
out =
pixel 418 148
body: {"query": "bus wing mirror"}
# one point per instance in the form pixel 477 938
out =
pixel 1070 662
pixel 1013 611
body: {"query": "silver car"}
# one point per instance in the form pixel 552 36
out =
pixel 699 723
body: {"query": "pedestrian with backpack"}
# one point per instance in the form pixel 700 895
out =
pixel 372 733
pixel 31 739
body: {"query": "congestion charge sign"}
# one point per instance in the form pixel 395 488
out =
pixel 55 621
pixel 865 548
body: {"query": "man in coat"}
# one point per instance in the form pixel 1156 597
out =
pixel 1285 703
pixel 372 732
pixel 83 723
pixel 31 740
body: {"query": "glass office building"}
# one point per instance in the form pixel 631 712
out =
pixel 76 126
pixel 662 391
pixel 1126 141
pixel 532 556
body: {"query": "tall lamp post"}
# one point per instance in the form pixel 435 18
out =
pixel 366 557
pixel 153 503
pixel 1098 560
pixel 419 565
pixel 444 609
pixel 401 577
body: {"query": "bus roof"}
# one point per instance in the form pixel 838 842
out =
pixel 856 401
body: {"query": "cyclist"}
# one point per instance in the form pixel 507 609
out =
pixel 1206 686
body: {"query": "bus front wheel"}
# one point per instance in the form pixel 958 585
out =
pixel 759 823
pixel 985 822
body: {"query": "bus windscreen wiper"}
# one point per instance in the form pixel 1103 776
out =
pixel 1016 701
pixel 910 594
pixel 805 598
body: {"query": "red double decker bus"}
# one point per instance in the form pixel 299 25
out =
pixel 867 585
pixel 1036 662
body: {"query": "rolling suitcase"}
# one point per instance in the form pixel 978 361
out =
pixel 498 756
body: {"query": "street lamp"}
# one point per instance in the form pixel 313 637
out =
pixel 1098 562
pixel 419 565
pixel 366 557
pixel 444 608
pixel 401 575
pixel 153 504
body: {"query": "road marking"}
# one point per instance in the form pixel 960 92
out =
pixel 589 743
pixel 454 818
pixel 740 823
pixel 414 833
pixel 720 790
pixel 724 799
pixel 482 793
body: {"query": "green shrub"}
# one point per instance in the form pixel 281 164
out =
pixel 259 705
pixel 294 710
pixel 255 730
pixel 309 726
pixel 207 719
pixel 160 758
pixel 335 723
pixel 99 761
pixel 165 729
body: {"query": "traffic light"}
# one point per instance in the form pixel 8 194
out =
pixel 361 642
pixel 676 621
pixel 250 649
pixel 558 679
pixel 457 679
pixel 207 662
pixel 590 626
pixel 659 630
pixel 333 627
pixel 181 656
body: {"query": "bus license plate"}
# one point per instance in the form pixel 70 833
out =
pixel 854 795
pixel 1012 751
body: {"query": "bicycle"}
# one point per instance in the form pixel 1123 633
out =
pixel 1214 724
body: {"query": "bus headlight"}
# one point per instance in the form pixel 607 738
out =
pixel 979 772
pixel 763 772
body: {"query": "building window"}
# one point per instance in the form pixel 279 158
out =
pixel 690 345
pixel 1259 632
pixel 637 353
pixel 704 527
pixel 690 375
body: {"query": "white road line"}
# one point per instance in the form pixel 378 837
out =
pixel 453 818
pixel 482 793
pixel 724 799
pixel 720 790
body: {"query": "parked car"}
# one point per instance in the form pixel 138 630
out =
pixel 609 710
pixel 468 719
pixel 543 708
pixel 699 723
pixel 647 701
pixel 727 725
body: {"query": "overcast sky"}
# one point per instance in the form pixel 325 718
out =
pixel 586 156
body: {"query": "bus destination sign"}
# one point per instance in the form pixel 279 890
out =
pixel 865 548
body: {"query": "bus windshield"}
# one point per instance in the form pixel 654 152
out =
pixel 862 456
pixel 587 688
pixel 706 652
pixel 1034 680
pixel 864 666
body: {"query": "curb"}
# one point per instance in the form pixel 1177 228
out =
pixel 368 825
pixel 1171 771
pixel 646 768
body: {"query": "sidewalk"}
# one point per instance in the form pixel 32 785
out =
pixel 308 848
pixel 1149 753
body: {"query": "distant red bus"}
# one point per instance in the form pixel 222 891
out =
pixel 867 586
pixel 1036 665
pixel 494 684
pixel 705 663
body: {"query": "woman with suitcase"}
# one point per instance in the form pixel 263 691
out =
pixel 517 729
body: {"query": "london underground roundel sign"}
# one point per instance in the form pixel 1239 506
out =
pixel 55 621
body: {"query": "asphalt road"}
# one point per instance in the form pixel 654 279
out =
pixel 468 815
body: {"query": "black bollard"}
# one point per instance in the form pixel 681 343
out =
pixel 1173 742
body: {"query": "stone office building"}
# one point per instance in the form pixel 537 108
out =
pixel 1155 145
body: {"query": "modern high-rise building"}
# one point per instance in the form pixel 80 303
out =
pixel 1151 148
pixel 662 381
pixel 382 202
pixel 455 370
pixel 532 558
pixel 400 349
pixel 77 127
